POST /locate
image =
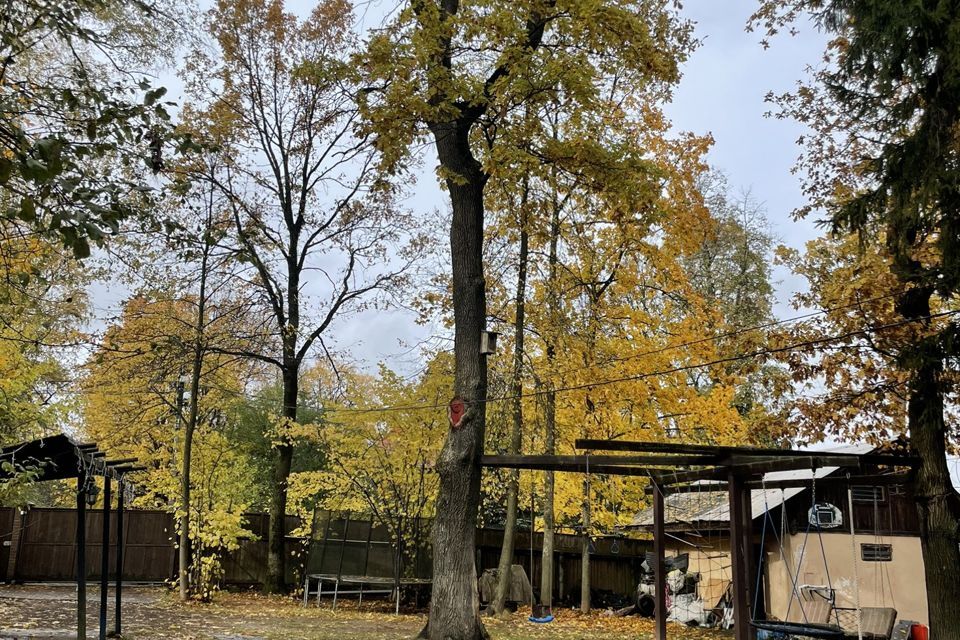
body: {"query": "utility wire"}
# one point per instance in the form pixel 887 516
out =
pixel 735 332
pixel 668 371
pixel 640 376
pixel 714 338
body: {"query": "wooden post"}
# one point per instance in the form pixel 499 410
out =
pixel 738 542
pixel 749 559
pixel 119 568
pixel 659 568
pixel 105 557
pixel 81 557
pixel 16 542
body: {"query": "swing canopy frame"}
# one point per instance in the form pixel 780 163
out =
pixel 672 467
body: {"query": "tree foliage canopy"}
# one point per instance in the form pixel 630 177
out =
pixel 81 137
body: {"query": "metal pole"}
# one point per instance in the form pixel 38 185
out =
pixel 119 567
pixel 659 567
pixel 81 557
pixel 343 546
pixel 105 557
pixel 856 575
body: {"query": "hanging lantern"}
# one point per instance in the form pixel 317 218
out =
pixel 91 490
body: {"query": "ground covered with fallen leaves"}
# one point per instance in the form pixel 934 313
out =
pixel 156 613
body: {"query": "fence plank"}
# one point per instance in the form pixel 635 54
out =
pixel 49 550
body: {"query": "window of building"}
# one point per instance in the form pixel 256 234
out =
pixel 866 493
pixel 876 552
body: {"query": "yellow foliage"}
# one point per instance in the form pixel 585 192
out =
pixel 131 409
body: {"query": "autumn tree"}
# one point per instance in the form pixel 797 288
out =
pixel 381 440
pixel 731 271
pixel 850 387
pixel 618 323
pixel 135 405
pixel 43 306
pixel 882 160
pixel 460 73
pixel 504 574
pixel 312 216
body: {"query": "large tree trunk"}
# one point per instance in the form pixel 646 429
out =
pixel 455 604
pixel 276 581
pixel 516 389
pixel 937 502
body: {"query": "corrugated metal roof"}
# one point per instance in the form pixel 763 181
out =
pixel 711 506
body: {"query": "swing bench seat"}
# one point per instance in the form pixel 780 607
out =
pixel 805 629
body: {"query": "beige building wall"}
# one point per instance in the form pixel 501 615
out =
pixel 898 583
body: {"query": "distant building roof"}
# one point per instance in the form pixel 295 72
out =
pixel 711 506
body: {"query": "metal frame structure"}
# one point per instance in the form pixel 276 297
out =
pixel 396 582
pixel 674 467
pixel 59 458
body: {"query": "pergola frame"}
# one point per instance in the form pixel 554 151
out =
pixel 59 458
pixel 678 468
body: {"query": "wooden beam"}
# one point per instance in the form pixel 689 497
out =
pixel 580 462
pixel 736 455
pixel 129 468
pixel 793 483
pixel 659 569
pixel 703 487
pixel 758 468
pixel 749 569
pixel 899 478
pixel 612 470
pixel 119 461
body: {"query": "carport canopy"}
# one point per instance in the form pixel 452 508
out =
pixel 58 457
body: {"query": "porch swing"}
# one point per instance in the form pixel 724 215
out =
pixel 806 628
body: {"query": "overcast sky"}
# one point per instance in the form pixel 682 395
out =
pixel 722 93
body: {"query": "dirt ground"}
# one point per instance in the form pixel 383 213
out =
pixel 154 612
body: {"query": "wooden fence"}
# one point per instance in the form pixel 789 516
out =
pixel 39 546
pixel 349 546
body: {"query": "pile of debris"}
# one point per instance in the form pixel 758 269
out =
pixel 690 600
pixel 519 591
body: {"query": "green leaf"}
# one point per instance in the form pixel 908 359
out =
pixel 6 169
pixel 28 210
pixel 153 95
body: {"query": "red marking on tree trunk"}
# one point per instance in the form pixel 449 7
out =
pixel 456 411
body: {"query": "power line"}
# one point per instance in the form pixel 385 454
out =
pixel 640 376
pixel 735 332
pixel 663 372
pixel 714 338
